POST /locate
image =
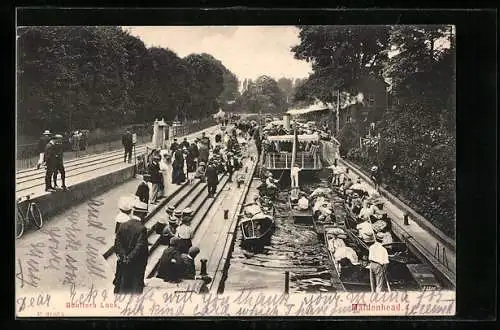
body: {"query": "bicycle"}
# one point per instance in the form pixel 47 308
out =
pixel 32 214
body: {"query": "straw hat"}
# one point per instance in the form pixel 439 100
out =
pixel 202 164
pixel 46 132
pixel 380 235
pixel 125 203
pixel 173 220
pixel 178 213
pixel 187 212
pixel 170 209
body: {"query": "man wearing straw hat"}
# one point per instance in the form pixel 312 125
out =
pixel 170 230
pixel 131 248
pixel 125 205
pixel 42 143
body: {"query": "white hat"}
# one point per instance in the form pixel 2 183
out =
pixel 47 132
pixel 125 203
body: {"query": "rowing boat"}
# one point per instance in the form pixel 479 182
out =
pixel 398 251
pixel 296 212
pixel 257 228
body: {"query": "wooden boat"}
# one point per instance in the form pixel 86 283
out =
pixel 318 224
pixel 257 228
pixel 298 214
pixel 398 251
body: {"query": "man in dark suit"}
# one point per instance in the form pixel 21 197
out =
pixel 212 179
pixel 131 247
pixel 143 191
pixel 127 145
pixel 59 162
pixel 188 265
pixel 51 160
pixel 184 144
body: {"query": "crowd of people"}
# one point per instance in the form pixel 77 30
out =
pixel 207 159
pixel 372 223
pixel 51 150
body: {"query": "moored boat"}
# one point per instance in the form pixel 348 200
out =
pixel 258 228
pixel 298 211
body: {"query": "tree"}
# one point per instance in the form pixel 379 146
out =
pixel 286 86
pixel 340 56
pixel 263 95
pixel 209 84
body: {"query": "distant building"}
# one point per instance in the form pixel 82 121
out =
pixel 370 102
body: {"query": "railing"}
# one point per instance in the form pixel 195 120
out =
pixel 282 160
pixel 27 154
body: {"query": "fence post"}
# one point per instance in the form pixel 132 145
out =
pixel 287 282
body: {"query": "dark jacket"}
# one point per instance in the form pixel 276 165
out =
pixel 131 247
pixel 59 151
pixel 143 192
pixel 168 270
pixel 193 150
pixel 179 157
pixel 174 146
pixel 211 174
pixel 50 154
pixel 154 172
pixel 42 143
pixel 188 267
pixel 127 140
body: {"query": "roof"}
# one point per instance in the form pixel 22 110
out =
pixel 302 137
pixel 318 106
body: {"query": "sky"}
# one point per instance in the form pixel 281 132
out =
pixel 247 51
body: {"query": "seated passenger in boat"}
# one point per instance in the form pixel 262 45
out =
pixel 384 237
pixel 356 204
pixel 378 212
pixel 303 203
pixel 270 182
pixel 346 252
pixel 366 211
pixel 258 229
pixel 365 231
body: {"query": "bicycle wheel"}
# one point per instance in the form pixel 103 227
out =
pixel 19 224
pixel 35 216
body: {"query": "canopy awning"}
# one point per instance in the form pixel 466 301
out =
pixel 319 106
pixel 303 137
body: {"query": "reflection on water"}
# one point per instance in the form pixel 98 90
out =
pixel 293 247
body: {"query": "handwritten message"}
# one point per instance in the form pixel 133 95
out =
pixel 157 302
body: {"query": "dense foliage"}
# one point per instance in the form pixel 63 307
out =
pixel 103 77
pixel 264 96
pixel 416 152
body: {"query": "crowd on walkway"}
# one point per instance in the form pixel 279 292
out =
pixel 205 158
